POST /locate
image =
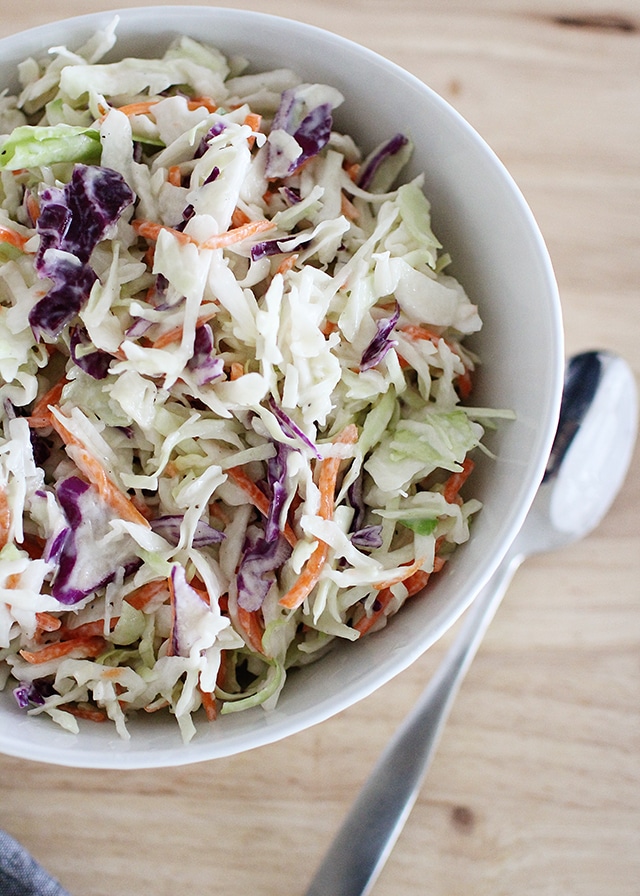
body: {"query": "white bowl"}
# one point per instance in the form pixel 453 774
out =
pixel 499 255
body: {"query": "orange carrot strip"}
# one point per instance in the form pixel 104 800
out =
pixel 5 518
pixel 286 264
pixel 174 176
pixel 415 331
pixel 348 209
pixel 97 476
pixel 237 234
pixel 254 120
pixel 12 237
pixel 353 170
pixel 94 629
pixel 202 101
pixel 239 218
pixel 84 647
pixel 175 334
pixel 150 231
pixel 464 383
pixel 89 713
pixel 455 482
pixel 141 597
pixel 141 108
pixel 209 704
pixel 258 498
pixel 40 416
pixel 407 572
pixel 326 484
pixel 33 206
pixel 47 622
pixel 33 545
pixel 416 582
pixel 251 623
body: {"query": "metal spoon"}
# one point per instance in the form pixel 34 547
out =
pixel 588 462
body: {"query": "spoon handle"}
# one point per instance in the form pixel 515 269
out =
pixel 370 830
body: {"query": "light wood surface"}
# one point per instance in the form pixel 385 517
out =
pixel 535 789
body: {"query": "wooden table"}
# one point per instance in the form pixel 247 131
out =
pixel 536 786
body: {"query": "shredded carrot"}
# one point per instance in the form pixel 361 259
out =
pixel 47 622
pixel 141 597
pixel 416 582
pixel 348 209
pixel 174 176
pixel 352 169
pixel 209 704
pixel 258 498
pixel 309 576
pixel 5 518
pixel 416 331
pixel 236 370
pixel 33 545
pixel 455 482
pixel 239 218
pixel 40 416
pixel 33 207
pixel 464 383
pixel 93 629
pixel 254 120
pixel 329 327
pixel 151 231
pixel 97 475
pixel 407 572
pixel 287 263
pixel 199 102
pixel 140 108
pixel 175 334
pixel 252 625
pixel 89 713
pixel 237 234
pixel 12 237
pixel 84 647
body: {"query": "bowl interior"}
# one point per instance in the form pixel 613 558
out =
pixel 500 258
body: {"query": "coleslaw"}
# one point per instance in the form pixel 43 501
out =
pixel 233 384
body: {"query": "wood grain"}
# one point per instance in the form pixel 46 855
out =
pixel 536 786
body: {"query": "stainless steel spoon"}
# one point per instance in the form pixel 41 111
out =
pixel 588 462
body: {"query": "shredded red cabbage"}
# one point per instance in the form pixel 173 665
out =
pixel 79 573
pixel 256 573
pixel 32 693
pixel 276 476
pixel 189 609
pixel 169 528
pixel 206 366
pixel 95 363
pixel 72 222
pixel 311 133
pixel 390 148
pixel 380 344
pixel 291 429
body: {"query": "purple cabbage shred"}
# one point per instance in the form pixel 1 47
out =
pixel 291 429
pixel 258 564
pixel 72 222
pixel 169 528
pixel 388 149
pixel 95 363
pixel 204 364
pixel 380 344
